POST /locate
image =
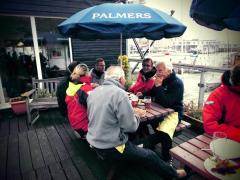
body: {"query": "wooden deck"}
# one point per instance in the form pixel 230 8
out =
pixel 50 150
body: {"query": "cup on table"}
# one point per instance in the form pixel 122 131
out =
pixel 216 138
pixel 147 102
pixel 134 100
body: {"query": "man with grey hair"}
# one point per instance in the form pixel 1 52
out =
pixel 111 117
pixel 168 88
pixel 168 92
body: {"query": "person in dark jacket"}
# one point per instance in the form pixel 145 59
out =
pixel 62 87
pixel 168 89
pixel 168 92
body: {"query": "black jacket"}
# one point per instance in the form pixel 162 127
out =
pixel 61 95
pixel 170 94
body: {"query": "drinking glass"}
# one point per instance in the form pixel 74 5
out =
pixel 147 102
pixel 134 100
pixel 217 138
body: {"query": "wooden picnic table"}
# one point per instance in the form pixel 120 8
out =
pixel 155 113
pixel 190 154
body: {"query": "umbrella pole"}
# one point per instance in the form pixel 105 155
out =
pixel 120 44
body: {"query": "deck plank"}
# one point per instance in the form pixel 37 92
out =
pixel 36 154
pixel 24 153
pixel 5 127
pixel 31 175
pixel 13 157
pixel 70 170
pixel 43 174
pixel 57 143
pixel 14 125
pixel 23 126
pixel 67 141
pixel 57 172
pixel 178 140
pixel 48 155
pixel 83 169
pixel 3 156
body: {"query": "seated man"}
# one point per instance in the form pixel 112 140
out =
pixel 111 117
pixel 221 111
pixel 145 80
pixel 98 72
pixel 168 92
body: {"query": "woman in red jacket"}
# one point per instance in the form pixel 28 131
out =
pixel 221 111
pixel 77 92
pixel 145 80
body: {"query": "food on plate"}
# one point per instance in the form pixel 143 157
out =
pixel 141 102
pixel 139 112
pixel 225 167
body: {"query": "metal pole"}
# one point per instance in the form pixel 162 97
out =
pixel 120 44
pixel 201 86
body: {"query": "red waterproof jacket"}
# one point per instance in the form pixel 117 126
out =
pixel 77 113
pixel 142 84
pixel 221 111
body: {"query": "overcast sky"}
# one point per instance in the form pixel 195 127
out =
pixel 194 31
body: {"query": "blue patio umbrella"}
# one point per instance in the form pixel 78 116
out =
pixel 109 20
pixel 217 15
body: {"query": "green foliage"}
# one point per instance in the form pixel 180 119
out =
pixel 191 109
pixel 43 93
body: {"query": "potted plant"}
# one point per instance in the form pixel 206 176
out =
pixel 123 61
pixel 18 105
pixel 193 115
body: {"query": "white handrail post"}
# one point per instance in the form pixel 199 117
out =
pixel 201 90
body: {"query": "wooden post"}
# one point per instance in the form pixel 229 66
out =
pixel 35 45
pixel 70 49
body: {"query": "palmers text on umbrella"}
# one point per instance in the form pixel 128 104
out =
pixel 121 15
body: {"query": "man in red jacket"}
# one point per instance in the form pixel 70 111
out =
pixel 221 111
pixel 145 80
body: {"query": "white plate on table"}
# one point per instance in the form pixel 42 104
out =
pixel 226 149
pixel 209 164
